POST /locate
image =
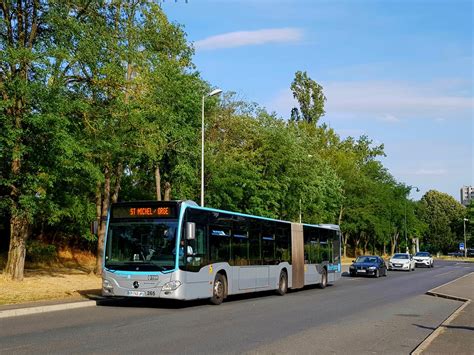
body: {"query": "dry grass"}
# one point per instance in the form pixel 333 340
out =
pixel 68 278
pixel 454 258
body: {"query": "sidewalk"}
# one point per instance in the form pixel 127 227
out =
pixel 456 334
pixel 21 309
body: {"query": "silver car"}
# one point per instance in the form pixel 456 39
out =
pixel 423 258
pixel 401 261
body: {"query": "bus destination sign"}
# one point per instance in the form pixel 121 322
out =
pixel 143 212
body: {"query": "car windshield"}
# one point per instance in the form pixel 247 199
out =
pixel 366 259
pixel 400 256
pixel 422 253
pixel 141 246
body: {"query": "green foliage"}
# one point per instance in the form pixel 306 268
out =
pixel 444 218
pixel 310 97
pixel 38 252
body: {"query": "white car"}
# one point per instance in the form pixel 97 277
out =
pixel 423 258
pixel 401 261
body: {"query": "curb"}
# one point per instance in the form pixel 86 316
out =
pixel 440 329
pixel 42 309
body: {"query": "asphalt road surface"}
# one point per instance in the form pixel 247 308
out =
pixel 389 315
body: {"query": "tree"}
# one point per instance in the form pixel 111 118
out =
pixel 444 218
pixel 24 123
pixel 310 97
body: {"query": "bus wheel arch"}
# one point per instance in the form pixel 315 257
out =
pixel 219 288
pixel 324 278
pixel 283 282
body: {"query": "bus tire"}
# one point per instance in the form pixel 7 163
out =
pixel 324 279
pixel 218 289
pixel 282 283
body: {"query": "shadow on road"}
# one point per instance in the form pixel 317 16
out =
pixel 177 304
pixel 424 326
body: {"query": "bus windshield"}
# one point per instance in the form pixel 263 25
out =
pixel 141 246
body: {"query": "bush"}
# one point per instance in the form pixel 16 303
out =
pixel 38 252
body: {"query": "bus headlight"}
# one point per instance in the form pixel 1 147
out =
pixel 171 286
pixel 107 285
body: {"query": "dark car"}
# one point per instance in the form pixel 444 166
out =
pixel 368 265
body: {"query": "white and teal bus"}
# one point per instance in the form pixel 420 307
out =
pixel 178 250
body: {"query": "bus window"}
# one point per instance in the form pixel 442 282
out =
pixel 311 245
pixel 240 244
pixel 255 258
pixel 326 247
pixel 198 246
pixel 283 243
pixel 219 244
pixel 268 243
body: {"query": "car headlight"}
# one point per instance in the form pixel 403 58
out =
pixel 107 285
pixel 372 267
pixel 171 286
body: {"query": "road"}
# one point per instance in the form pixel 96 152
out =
pixel 389 315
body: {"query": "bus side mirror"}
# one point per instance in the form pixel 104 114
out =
pixel 190 230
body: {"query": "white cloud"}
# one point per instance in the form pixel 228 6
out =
pixel 430 172
pixel 250 38
pixel 385 101
pixel 389 118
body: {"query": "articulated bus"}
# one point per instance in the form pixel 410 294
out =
pixel 178 250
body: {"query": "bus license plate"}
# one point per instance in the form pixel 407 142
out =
pixel 136 293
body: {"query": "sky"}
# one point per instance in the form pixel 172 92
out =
pixel 400 72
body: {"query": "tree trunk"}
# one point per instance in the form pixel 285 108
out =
pixel 366 241
pixel 339 220
pixel 345 238
pixel 19 233
pixel 356 244
pixel 394 243
pixel 118 179
pixel 167 191
pixel 158 183
pixel 103 223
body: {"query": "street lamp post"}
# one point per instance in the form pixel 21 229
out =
pixel 212 93
pixel 465 240
pixel 406 236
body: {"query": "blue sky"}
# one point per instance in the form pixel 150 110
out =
pixel 400 72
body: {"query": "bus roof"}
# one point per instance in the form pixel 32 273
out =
pixel 192 204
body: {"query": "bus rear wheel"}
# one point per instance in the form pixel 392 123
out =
pixel 282 283
pixel 324 279
pixel 218 290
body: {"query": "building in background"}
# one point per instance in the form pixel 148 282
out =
pixel 467 194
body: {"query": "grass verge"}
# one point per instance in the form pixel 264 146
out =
pixel 68 277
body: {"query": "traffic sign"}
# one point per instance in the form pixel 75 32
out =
pixel 461 246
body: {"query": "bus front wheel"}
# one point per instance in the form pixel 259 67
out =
pixel 283 283
pixel 218 290
pixel 324 279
